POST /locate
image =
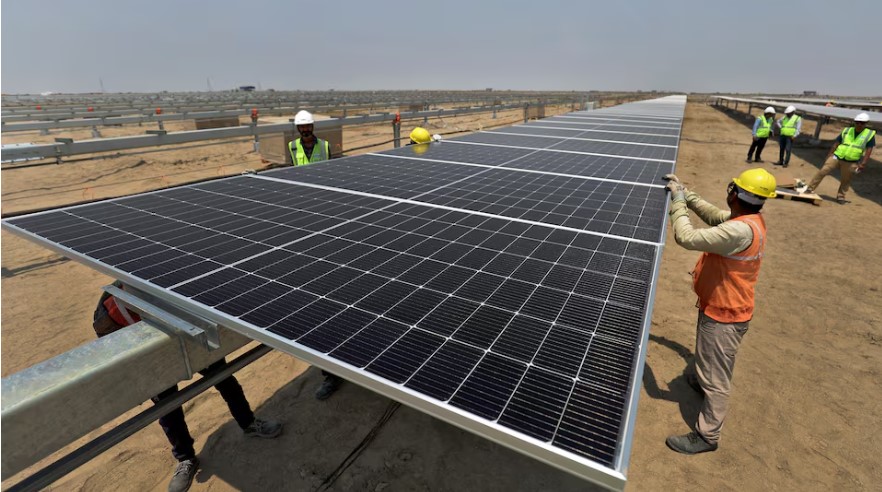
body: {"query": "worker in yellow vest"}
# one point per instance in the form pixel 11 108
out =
pixel 850 154
pixel 788 129
pixel 724 280
pixel 762 129
pixel 308 148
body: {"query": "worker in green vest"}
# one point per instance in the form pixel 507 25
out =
pixel 762 129
pixel 788 129
pixel 850 154
pixel 308 148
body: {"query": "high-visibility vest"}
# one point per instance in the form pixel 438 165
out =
pixel 321 152
pixel 765 127
pixel 725 284
pixel 853 147
pixel 788 125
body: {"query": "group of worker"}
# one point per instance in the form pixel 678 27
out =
pixel 853 146
pixel 724 279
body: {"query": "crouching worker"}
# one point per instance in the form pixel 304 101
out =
pixel 110 316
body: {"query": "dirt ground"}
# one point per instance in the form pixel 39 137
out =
pixel 805 410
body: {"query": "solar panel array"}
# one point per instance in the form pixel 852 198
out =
pixel 502 280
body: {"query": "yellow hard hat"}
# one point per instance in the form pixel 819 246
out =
pixel 420 135
pixel 758 182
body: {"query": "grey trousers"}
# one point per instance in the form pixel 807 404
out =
pixel 716 345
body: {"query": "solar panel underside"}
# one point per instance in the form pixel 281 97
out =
pixel 507 290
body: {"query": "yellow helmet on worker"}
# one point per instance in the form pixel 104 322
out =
pixel 420 135
pixel 758 183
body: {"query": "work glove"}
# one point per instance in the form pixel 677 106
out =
pixel 678 191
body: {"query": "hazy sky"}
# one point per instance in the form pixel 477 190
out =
pixel 738 45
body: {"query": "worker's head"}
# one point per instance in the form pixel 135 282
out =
pixel 860 122
pixel 304 122
pixel 420 135
pixel 750 190
pixel 770 111
pixel 790 110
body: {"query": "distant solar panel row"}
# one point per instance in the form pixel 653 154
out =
pixel 497 281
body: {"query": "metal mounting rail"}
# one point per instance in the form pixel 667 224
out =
pixel 58 150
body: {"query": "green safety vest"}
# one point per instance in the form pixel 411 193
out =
pixel 765 127
pixel 788 126
pixel 321 152
pixel 852 147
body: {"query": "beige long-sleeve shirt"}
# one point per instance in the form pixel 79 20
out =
pixel 725 237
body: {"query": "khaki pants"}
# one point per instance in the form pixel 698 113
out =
pixel 846 170
pixel 715 347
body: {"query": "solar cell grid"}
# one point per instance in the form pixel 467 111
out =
pixel 625 210
pixel 400 178
pixel 521 298
pixel 594 166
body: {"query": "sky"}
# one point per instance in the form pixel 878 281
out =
pixel 685 46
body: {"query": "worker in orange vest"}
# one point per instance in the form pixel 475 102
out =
pixel 724 280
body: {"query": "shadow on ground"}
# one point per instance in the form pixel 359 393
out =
pixel 866 185
pixel 678 390
pixel 412 451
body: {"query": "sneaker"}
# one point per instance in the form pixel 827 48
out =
pixel 779 163
pixel 785 165
pixel 691 443
pixel 184 474
pixel 758 160
pixel 841 200
pixel 266 429
pixel 748 160
pixel 328 387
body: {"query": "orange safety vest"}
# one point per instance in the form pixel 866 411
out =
pixel 725 284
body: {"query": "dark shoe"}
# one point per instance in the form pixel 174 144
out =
pixel 779 163
pixel 692 380
pixel 758 160
pixel 748 160
pixel 328 387
pixel 690 443
pixel 841 200
pixel 184 474
pixel 785 165
pixel 266 429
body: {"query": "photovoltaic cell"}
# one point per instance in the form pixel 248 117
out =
pixel 529 318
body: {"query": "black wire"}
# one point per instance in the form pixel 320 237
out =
pixel 360 448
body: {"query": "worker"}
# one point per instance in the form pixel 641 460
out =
pixel 111 315
pixel 724 279
pixel 849 153
pixel 788 129
pixel 762 128
pixel 308 148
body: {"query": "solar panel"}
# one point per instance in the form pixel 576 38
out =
pixel 513 302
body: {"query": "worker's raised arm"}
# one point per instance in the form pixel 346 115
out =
pixel 706 211
pixel 724 239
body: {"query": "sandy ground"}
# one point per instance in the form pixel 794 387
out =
pixel 804 413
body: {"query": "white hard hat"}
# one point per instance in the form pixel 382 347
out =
pixel 303 117
pixel 862 117
pixel 770 110
pixel 790 109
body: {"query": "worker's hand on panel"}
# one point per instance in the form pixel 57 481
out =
pixel 671 177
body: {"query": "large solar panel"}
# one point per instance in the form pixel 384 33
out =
pixel 474 281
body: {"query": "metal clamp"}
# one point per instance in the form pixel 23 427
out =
pixel 198 328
